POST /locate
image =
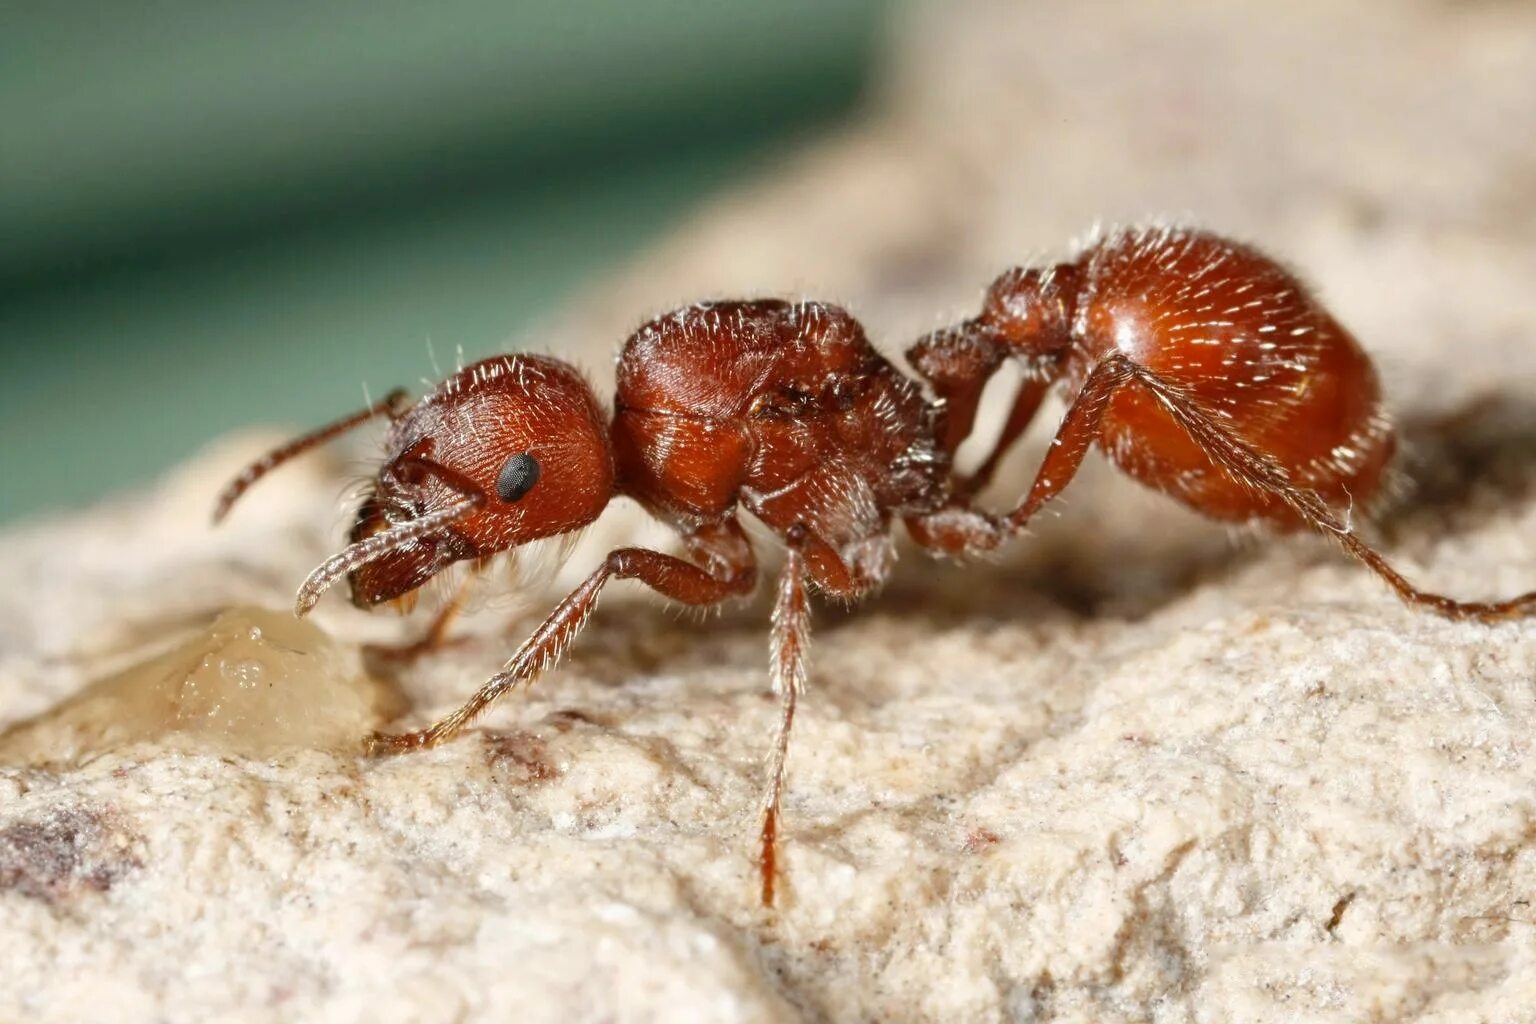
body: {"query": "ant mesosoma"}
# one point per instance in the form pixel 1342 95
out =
pixel 1201 367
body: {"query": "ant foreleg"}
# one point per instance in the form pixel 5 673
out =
pixel 732 574
pixel 790 639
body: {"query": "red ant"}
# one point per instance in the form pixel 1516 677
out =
pixel 1201 367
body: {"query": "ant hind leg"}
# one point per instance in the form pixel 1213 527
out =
pixel 1261 473
pixel 965 530
pixel 1022 413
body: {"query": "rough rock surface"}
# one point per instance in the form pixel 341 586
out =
pixel 1132 773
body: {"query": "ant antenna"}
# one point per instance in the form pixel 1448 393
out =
pixel 276 457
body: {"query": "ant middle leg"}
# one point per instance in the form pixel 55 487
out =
pixel 1026 402
pixel 962 529
pixel 731 572
pixel 790 640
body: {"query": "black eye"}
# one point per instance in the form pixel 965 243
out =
pixel 517 477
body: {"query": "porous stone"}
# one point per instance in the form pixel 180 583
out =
pixel 1133 772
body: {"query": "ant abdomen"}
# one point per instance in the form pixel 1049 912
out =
pixel 1237 335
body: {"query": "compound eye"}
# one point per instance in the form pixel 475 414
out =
pixel 517 477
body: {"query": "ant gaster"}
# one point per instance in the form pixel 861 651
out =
pixel 1201 367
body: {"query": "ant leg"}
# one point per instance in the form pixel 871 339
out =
pixel 731 572
pixel 392 405
pixel 963 530
pixel 1025 404
pixel 956 362
pixel 1078 431
pixel 1261 473
pixel 791 637
pixel 436 636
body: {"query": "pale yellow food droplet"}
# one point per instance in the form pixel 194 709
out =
pixel 252 682
pixel 243 672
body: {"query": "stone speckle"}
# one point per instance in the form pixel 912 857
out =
pixel 70 851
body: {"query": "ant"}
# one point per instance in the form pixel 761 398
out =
pixel 1198 365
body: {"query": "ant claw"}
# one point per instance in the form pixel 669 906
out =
pixel 383 744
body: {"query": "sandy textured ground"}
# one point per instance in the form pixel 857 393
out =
pixel 1134 772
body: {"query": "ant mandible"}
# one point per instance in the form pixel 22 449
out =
pixel 1200 366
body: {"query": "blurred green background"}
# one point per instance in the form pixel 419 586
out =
pixel 225 213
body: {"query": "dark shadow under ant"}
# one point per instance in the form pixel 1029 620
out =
pixel 1199 366
pixel 1485 447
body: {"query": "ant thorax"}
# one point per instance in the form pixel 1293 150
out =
pixel 782 408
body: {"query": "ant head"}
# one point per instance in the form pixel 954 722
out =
pixel 1029 311
pixel 506 451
